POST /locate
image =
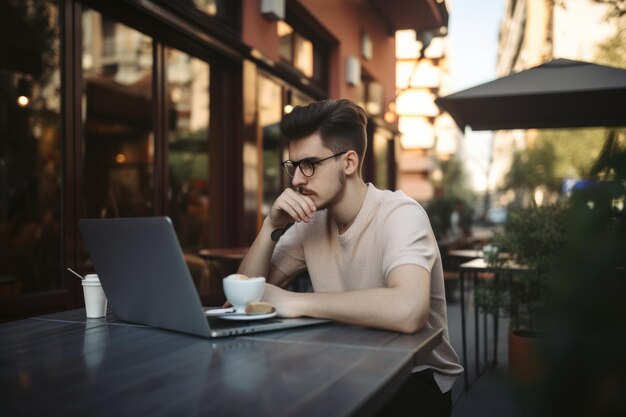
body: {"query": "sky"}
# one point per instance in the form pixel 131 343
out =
pixel 472 52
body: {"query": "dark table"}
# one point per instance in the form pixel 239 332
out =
pixel 466 253
pixel 62 364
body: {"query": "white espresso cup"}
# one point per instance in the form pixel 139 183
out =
pixel 240 290
pixel 95 300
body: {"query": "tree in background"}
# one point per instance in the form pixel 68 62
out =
pixel 574 149
pixel 617 8
pixel 613 50
pixel 533 168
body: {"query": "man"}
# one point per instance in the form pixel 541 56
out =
pixel 371 254
pixel 458 230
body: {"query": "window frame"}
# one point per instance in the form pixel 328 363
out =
pixel 166 28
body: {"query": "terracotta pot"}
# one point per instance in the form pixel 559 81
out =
pixel 524 356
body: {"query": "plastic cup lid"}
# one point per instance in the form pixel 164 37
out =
pixel 91 279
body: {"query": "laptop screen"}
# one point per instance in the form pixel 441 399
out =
pixel 143 272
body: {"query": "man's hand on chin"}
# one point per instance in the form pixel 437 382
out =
pixel 285 302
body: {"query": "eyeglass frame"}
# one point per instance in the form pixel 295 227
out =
pixel 297 165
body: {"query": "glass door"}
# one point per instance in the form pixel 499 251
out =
pixel 30 153
pixel 187 101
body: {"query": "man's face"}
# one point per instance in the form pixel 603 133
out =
pixel 326 185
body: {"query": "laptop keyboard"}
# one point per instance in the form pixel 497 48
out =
pixel 219 324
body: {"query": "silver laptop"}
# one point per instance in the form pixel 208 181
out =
pixel 146 280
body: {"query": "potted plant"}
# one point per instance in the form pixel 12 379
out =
pixel 585 334
pixel 533 238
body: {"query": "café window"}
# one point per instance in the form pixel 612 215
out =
pixel 30 149
pixel 275 100
pixel 371 95
pixel 383 158
pixel 270 113
pixel 188 193
pixel 210 7
pixel 224 11
pixel 187 100
pixel 117 116
pixel 295 49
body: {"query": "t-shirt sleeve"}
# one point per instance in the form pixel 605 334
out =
pixel 409 239
pixel 288 254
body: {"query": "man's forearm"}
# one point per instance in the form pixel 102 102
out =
pixel 256 263
pixel 404 305
pixel 383 308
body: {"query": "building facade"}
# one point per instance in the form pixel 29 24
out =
pixel 148 108
pixel 426 135
pixel 533 32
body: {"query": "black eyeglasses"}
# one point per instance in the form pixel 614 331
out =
pixel 307 166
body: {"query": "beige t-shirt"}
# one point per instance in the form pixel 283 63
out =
pixel 390 230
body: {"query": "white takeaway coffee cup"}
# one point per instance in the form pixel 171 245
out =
pixel 95 300
pixel 241 290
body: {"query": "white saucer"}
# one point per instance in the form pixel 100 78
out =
pixel 247 316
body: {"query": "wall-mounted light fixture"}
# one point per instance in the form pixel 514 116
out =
pixel 23 92
pixel 353 70
pixel 273 10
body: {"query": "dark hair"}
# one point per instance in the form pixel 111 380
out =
pixel 341 124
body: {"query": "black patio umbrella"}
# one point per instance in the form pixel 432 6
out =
pixel 560 93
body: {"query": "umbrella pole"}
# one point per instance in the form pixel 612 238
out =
pixel 487 200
